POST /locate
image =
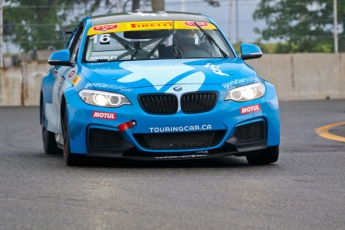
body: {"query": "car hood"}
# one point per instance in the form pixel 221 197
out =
pixel 225 73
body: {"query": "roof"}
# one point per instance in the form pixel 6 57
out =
pixel 148 16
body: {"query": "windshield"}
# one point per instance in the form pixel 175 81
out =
pixel 155 40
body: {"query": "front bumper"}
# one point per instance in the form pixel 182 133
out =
pixel 219 132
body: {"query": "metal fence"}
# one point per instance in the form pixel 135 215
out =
pixel 282 26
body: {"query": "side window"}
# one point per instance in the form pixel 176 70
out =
pixel 75 43
pixel 75 50
pixel 70 42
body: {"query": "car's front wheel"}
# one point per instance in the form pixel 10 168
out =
pixel 267 156
pixel 70 158
pixel 48 138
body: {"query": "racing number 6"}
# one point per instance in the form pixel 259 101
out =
pixel 103 38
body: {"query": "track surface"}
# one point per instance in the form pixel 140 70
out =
pixel 305 189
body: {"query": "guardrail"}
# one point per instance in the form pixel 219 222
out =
pixel 296 77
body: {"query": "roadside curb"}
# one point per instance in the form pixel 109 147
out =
pixel 334 131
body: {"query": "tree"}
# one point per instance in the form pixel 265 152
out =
pixel 302 26
pixel 37 24
pixel 158 5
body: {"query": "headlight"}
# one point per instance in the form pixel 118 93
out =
pixel 100 98
pixel 247 92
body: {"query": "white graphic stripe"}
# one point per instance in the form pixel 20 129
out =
pixel 157 72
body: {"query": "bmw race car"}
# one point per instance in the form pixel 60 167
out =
pixel 156 86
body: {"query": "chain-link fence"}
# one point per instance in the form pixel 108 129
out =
pixel 283 26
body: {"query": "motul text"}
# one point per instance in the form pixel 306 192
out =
pixel 250 109
pixel 104 115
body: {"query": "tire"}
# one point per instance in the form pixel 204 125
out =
pixel 267 156
pixel 70 158
pixel 48 138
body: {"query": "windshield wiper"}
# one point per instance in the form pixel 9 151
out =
pixel 211 40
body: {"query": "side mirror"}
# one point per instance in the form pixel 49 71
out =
pixel 250 51
pixel 61 57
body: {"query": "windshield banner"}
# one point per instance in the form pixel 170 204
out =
pixel 148 25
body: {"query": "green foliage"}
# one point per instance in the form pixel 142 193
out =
pixel 36 24
pixel 265 47
pixel 304 26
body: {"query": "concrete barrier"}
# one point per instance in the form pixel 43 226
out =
pixel 20 85
pixel 11 86
pixel 304 76
pixel 32 75
pixel 296 77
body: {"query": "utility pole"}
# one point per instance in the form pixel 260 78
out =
pixel 118 6
pixel 237 30
pixel 335 22
pixel 230 22
pixel 1 36
pixel 183 6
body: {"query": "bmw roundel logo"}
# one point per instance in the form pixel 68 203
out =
pixel 177 88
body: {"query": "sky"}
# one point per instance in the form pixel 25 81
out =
pixel 225 16
pixel 236 22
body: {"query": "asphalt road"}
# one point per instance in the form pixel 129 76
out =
pixel 305 189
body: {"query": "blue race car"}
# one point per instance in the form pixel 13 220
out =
pixel 156 86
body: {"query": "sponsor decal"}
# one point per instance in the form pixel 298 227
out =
pixel 215 69
pixel 108 58
pixel 71 74
pixel 97 63
pixel 250 109
pixel 105 27
pixel 186 128
pixel 104 115
pixel 108 86
pixel 201 24
pixel 190 24
pixel 237 81
pixel 151 25
pixel 76 80
pixel 183 156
